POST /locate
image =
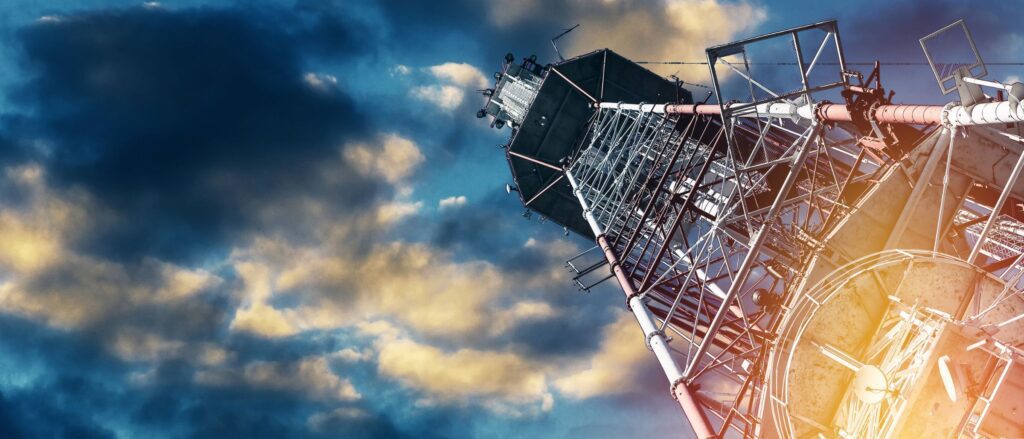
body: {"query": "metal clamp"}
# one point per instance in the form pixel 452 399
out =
pixel 651 335
pixel 675 383
pixel 946 120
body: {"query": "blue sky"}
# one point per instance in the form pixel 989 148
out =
pixel 282 219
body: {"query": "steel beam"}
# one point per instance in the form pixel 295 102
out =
pixel 656 339
pixel 755 246
pixel 979 114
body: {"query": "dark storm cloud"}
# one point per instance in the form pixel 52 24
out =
pixel 51 406
pixel 189 123
pixel 29 414
pixel 80 391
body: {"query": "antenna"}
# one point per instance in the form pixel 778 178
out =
pixel 950 61
pixel 802 255
pixel 559 36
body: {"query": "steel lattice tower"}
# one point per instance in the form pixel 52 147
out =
pixel 798 267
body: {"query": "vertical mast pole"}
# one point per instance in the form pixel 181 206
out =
pixel 655 338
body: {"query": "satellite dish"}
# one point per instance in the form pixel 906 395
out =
pixel 948 377
pixel 509 189
pixel 870 384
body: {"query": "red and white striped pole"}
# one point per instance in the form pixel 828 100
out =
pixel 979 114
pixel 655 339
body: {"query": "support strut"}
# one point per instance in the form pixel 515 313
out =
pixel 680 391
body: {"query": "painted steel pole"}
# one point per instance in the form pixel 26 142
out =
pixel 655 338
pixel 978 114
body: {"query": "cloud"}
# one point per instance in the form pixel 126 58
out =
pixel 47 411
pixel 456 79
pixel 392 157
pixel 612 369
pixel 352 356
pixel 136 346
pixel 34 237
pixel 189 262
pixel 187 158
pixel 669 30
pixel 446 97
pixel 421 287
pixel 311 377
pixel 452 202
pixel 263 320
pixel 392 212
pixel 401 70
pixel 502 379
pixel 460 74
pixel 52 282
pixel 320 81
pixel 321 421
pixel 522 312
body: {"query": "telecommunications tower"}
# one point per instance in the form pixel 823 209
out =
pixel 804 258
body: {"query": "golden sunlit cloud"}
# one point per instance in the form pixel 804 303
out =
pixel 610 370
pixel 309 376
pixel 393 157
pixel 681 28
pixel 503 382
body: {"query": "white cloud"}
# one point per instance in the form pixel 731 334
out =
pixel 179 282
pixel 350 355
pixel 524 311
pixel 392 212
pixel 255 316
pixel 460 74
pixel 455 79
pixel 393 157
pixel 263 320
pixel 445 97
pixel 320 81
pixel 400 69
pixel 452 202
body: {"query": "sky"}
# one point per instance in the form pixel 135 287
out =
pixel 282 218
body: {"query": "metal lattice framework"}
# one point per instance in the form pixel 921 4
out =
pixel 708 217
pixel 714 219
